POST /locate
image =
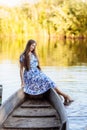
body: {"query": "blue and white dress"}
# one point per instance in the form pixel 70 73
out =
pixel 36 82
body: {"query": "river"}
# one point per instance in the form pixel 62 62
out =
pixel 71 79
pixel 64 61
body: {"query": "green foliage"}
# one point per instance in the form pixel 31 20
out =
pixel 45 18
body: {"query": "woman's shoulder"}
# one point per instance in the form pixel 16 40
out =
pixel 22 57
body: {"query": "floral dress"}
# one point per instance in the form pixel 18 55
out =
pixel 36 82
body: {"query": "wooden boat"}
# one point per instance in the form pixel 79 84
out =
pixel 0 94
pixel 25 112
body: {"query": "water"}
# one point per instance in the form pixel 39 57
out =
pixel 72 80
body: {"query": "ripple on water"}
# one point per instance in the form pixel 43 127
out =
pixel 77 123
pixel 77 113
pixel 72 80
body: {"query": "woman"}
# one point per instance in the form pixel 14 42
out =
pixel 33 80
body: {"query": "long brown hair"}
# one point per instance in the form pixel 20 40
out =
pixel 26 55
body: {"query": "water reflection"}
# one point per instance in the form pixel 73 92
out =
pixel 56 52
pixel 72 80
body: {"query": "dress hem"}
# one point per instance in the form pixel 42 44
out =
pixel 38 93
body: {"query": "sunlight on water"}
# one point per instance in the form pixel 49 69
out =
pixel 51 53
pixel 72 80
pixel 53 56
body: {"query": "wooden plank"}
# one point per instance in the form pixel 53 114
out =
pixel 36 103
pixel 32 129
pixel 36 106
pixel 34 112
pixel 13 122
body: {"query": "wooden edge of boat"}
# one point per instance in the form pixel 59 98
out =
pixel 55 100
pixel 10 104
pixel 0 94
pixel 0 91
pixel 18 97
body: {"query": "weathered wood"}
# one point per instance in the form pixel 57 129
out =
pixel 58 105
pixel 0 91
pixel 34 112
pixel 32 129
pixel 0 94
pixel 0 101
pixel 12 102
pixel 13 122
pixel 36 103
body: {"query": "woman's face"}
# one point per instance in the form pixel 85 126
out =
pixel 32 47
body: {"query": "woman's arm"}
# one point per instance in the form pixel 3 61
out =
pixel 21 74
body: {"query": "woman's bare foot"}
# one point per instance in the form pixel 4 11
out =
pixel 67 100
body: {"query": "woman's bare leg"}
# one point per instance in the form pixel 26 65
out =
pixel 66 97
